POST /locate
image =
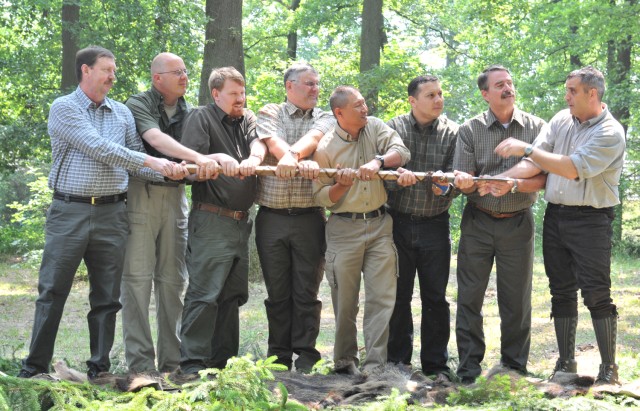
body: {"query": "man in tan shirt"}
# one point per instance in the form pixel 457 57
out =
pixel 359 233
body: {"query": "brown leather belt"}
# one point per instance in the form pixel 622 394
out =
pixel 495 214
pixel 225 212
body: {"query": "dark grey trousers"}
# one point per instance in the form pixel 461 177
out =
pixel 77 231
pixel 291 250
pixel 509 243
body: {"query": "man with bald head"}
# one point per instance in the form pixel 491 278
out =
pixel 158 220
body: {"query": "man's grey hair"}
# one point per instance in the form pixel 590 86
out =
pixel 590 77
pixel 294 72
pixel 340 96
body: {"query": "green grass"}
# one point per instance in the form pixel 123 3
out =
pixel 18 291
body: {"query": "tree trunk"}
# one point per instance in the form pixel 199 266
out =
pixel 70 19
pixel 292 37
pixel 223 41
pixel 372 40
pixel 618 71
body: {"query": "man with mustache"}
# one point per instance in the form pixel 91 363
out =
pixel 219 225
pixel 359 231
pixel 158 222
pixel 495 227
pixel 583 151
pixel 94 143
pixel 421 229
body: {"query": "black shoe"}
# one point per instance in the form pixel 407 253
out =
pixel 467 380
pixel 178 377
pixel 93 372
pixel 349 369
pixel 607 375
pixel 568 366
pixel 26 374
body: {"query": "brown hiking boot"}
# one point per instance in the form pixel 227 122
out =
pixel 568 366
pixel 608 375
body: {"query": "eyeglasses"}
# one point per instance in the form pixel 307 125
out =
pixel 308 83
pixel 177 73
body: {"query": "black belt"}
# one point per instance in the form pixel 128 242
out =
pixel 567 207
pixel 115 198
pixel 412 217
pixel 165 183
pixel 363 216
pixel 292 211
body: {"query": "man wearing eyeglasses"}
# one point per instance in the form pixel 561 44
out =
pixel 289 225
pixel 158 223
pixel 94 143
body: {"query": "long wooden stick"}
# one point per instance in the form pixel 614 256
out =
pixel 388 175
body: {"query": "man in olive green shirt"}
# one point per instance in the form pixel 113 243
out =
pixel 359 233
pixel 158 224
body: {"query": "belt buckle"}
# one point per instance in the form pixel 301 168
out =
pixel 93 200
pixel 364 216
pixel 237 215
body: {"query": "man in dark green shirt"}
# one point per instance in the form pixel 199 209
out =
pixel 219 225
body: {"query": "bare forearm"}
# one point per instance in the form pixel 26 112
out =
pixel 168 146
pixel 555 163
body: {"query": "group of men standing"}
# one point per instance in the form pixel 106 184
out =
pixel 377 232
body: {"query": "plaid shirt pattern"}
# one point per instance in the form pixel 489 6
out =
pixel 432 148
pixel 478 138
pixel 289 123
pixel 92 147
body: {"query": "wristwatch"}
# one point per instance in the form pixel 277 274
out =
pixel 514 189
pixel 528 150
pixel 380 158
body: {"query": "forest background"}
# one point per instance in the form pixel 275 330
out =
pixel 376 45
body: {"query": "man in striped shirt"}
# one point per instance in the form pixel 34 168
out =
pixel 94 147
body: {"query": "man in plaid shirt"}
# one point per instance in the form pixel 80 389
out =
pixel 290 226
pixel 421 229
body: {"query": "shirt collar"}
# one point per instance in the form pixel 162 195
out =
pixel 86 102
pixel 594 120
pixel 414 123
pixel 346 136
pixel 182 103
pixel 292 110
pixel 517 116
pixel 224 117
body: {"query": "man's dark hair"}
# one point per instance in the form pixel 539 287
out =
pixel 590 77
pixel 89 56
pixel 293 72
pixel 414 85
pixel 340 96
pixel 483 78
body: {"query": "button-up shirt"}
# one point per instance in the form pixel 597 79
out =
pixel 596 147
pixel 477 138
pixel 339 147
pixel 207 130
pixel 92 146
pixel 432 148
pixel 289 123
pixel 148 112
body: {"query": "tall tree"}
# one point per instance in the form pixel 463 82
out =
pixel 70 20
pixel 223 41
pixel 292 36
pixel 372 39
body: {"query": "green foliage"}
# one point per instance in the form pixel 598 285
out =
pixel 242 385
pixel 502 393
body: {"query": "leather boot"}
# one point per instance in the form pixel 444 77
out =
pixel 606 330
pixel 566 336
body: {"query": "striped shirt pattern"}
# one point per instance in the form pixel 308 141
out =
pixel 92 146
pixel 478 138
